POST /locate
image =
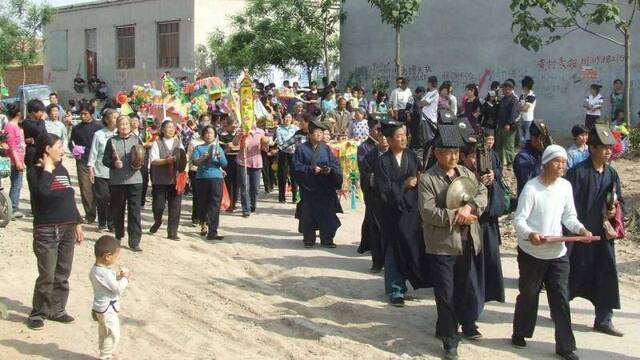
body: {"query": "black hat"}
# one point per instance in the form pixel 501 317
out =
pixel 489 132
pixel 538 128
pixel 508 83
pixel 317 124
pixel 450 136
pixel 600 134
pixel 579 130
pixel 389 127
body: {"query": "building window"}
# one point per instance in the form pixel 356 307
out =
pixel 126 39
pixel 168 45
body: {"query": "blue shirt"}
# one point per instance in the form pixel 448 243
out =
pixel 212 168
pixel 575 156
pixel 527 165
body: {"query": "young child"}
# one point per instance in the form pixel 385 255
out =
pixel 107 288
pixel 579 151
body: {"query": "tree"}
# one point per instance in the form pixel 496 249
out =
pixel 397 13
pixel 23 22
pixel 541 22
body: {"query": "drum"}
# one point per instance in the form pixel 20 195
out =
pixel 137 157
pixel 181 160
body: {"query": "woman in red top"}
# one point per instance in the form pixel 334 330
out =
pixel 17 149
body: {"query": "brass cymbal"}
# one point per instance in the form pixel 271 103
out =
pixel 461 191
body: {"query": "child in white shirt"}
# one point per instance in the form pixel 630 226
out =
pixel 107 288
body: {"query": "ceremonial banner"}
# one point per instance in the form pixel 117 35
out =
pixel 247 116
pixel 347 153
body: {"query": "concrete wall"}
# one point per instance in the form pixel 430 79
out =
pixel 471 41
pixel 105 16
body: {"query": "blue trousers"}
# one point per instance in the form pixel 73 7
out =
pixel 248 182
pixel 395 285
pixel 16 186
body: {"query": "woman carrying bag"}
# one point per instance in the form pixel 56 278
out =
pixel 210 159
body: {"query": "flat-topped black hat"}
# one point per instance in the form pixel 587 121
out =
pixel 600 134
pixel 389 127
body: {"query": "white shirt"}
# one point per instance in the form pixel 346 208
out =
pixel 106 289
pixel 98 144
pixel 596 103
pixel 431 111
pixel 529 98
pixel 400 98
pixel 453 105
pixel 543 210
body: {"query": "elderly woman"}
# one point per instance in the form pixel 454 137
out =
pixel 56 229
pixel 99 173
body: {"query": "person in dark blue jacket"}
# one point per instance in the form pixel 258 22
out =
pixel 318 175
pixel 527 164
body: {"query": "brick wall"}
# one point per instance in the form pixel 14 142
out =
pixel 13 77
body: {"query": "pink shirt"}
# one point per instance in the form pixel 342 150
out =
pixel 15 141
pixel 253 149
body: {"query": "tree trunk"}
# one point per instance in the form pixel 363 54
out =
pixel 325 46
pixel 309 74
pixel 24 74
pixel 627 77
pixel 398 64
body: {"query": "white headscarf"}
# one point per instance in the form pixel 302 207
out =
pixel 552 152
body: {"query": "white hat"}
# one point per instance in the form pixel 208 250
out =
pixel 552 152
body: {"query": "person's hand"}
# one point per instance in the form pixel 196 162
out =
pixel 325 171
pixel 79 234
pixel 611 213
pixel 92 175
pixel 171 160
pixel 487 179
pixel 535 239
pixel 507 127
pixel 117 164
pixel 585 232
pixel 20 166
pixel 317 170
pixel 462 215
pixel 124 273
pixel 29 141
pixel 411 182
pixel 204 156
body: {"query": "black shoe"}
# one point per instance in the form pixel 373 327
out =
pixel 518 342
pixel 328 246
pixel 101 228
pixel 35 324
pixel 473 334
pixel 154 228
pixel 609 330
pixel 65 319
pixel 246 215
pixel 110 228
pixel 375 270
pixel 451 354
pixel 308 246
pixel 135 249
pixel 568 355
pixel 215 237
pixel 174 238
pixel 397 302
pixel 89 220
pixel 282 201
pixel 253 210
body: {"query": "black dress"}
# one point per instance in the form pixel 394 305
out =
pixel 371 234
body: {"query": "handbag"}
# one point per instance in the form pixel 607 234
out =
pixel 226 199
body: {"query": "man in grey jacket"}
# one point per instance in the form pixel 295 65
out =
pixel 453 238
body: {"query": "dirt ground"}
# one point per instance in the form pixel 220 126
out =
pixel 259 295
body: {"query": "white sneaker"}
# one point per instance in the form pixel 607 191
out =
pixel 17 215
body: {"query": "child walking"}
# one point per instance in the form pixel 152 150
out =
pixel 107 288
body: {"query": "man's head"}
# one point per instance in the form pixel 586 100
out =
pixel 342 104
pixel 489 138
pixel 399 81
pixel 469 156
pixel 432 83
pixel 601 142
pixel 285 84
pixel 554 162
pixel 36 109
pixel 53 98
pixel 447 157
pixel 106 250
pixel 86 112
pixel 419 91
pixel 316 132
pixel 307 118
pixel 536 137
pixel 527 83
pixel 507 87
pixel 53 112
pixel 396 136
pixel 313 85
pixel 580 134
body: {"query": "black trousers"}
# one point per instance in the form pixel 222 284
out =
pixel 285 175
pixel 163 194
pixel 86 190
pixel 53 246
pixel 127 198
pixel 210 191
pixel 231 180
pixel 193 184
pixel 102 198
pixel 454 294
pixel 554 274
pixel 145 184
pixel 268 176
pixel 590 121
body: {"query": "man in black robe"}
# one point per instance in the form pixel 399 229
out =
pixel 371 236
pixel 593 265
pixel 318 175
pixel 395 179
pixel 489 262
pixel 527 164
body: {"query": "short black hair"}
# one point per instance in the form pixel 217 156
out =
pixel 86 106
pixel 578 130
pixel 35 105
pixel 495 85
pixel 53 94
pixel 51 107
pixel 617 81
pixel 527 82
pixel 105 245
pixel 419 89
pixel 433 80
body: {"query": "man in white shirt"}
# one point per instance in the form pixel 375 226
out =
pixel 429 105
pixel 545 205
pixel 399 99
pixel 527 106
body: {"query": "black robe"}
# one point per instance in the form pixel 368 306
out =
pixel 493 279
pixel 401 222
pixel 371 234
pixel 594 275
pixel 319 202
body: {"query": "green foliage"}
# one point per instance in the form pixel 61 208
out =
pixel 634 138
pixel 280 33
pixel 540 22
pixel 397 12
pixel 21 23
